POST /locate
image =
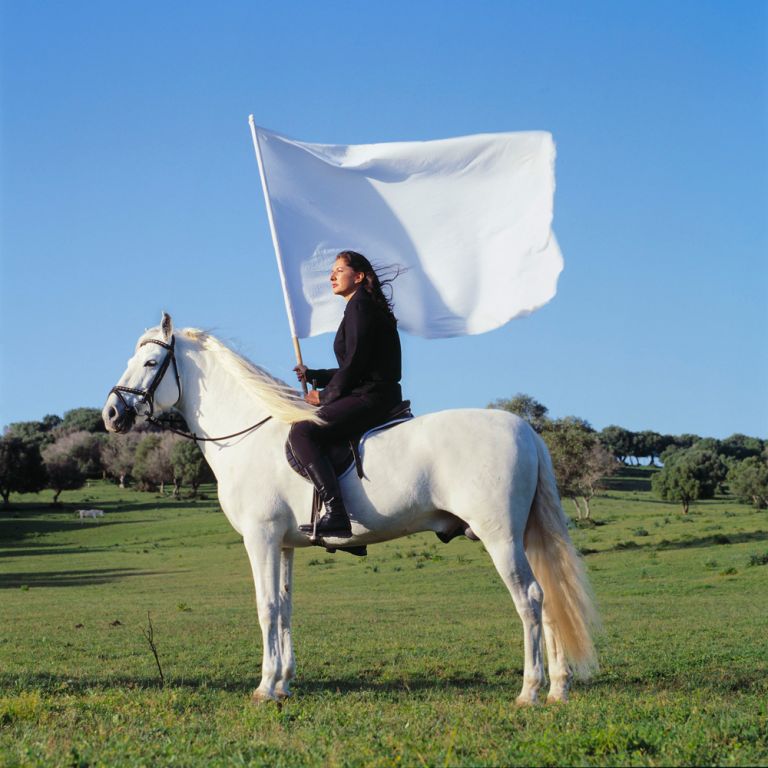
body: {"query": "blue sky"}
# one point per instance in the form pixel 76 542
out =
pixel 129 186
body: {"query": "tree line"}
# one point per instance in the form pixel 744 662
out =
pixel 63 453
pixel 690 467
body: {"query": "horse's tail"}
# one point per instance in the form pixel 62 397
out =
pixel 560 572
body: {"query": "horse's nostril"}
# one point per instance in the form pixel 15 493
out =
pixel 112 412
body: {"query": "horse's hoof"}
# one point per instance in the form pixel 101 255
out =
pixel 557 698
pixel 281 695
pixel 262 697
pixel 527 700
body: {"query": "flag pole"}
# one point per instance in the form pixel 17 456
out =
pixel 276 244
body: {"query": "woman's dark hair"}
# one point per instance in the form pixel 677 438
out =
pixel 372 283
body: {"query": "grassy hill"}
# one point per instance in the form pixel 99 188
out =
pixel 411 656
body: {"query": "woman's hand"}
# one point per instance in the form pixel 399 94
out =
pixel 301 372
pixel 312 397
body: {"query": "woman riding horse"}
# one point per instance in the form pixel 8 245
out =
pixel 359 393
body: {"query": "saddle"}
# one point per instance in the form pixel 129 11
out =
pixel 344 455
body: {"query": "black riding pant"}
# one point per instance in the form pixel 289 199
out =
pixel 345 418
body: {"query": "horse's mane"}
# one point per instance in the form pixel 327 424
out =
pixel 282 401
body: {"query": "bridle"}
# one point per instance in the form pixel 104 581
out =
pixel 147 395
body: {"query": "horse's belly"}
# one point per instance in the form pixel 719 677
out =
pixel 418 474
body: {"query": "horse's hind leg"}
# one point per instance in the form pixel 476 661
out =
pixel 513 567
pixel 560 674
pixel 284 624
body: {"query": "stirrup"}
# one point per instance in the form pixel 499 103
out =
pixel 315 532
pixel 316 535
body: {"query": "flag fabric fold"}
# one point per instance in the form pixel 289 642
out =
pixel 467 221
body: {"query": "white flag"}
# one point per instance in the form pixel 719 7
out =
pixel 467 220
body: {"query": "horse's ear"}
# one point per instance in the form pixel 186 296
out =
pixel 166 326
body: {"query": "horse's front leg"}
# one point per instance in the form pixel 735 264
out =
pixel 264 555
pixel 284 623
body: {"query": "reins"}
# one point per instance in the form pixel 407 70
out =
pixel 192 436
pixel 147 395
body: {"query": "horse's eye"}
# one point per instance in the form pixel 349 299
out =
pixel 150 364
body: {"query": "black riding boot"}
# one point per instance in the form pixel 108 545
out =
pixel 335 521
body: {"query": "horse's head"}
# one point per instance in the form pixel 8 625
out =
pixel 144 388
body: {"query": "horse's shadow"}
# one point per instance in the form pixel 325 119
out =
pixel 73 578
pixel 465 684
pixel 456 684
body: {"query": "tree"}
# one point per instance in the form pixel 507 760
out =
pixel 748 479
pixel 84 448
pixel 685 441
pixel 579 460
pixel 160 464
pixel 51 421
pixel 619 442
pixel 708 444
pixel 669 453
pixel 63 468
pixel 153 466
pixel 740 447
pixel 598 465
pixel 82 420
pixel 650 444
pixel 21 467
pixel 41 433
pixel 118 455
pixel 189 466
pixel 141 473
pixel 526 407
pixel 569 444
pixel 712 467
pixel 688 475
pixel 678 481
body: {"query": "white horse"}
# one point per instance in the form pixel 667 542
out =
pixel 486 469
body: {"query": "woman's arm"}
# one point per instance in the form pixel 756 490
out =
pixel 320 377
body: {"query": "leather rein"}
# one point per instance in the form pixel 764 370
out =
pixel 147 396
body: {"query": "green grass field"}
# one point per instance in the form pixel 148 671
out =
pixel 412 656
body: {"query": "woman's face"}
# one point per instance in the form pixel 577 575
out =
pixel 344 279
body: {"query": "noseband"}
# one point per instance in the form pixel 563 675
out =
pixel 147 395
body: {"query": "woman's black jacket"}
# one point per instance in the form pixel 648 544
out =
pixel 367 348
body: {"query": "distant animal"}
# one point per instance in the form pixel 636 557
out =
pixel 90 513
pixel 442 472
